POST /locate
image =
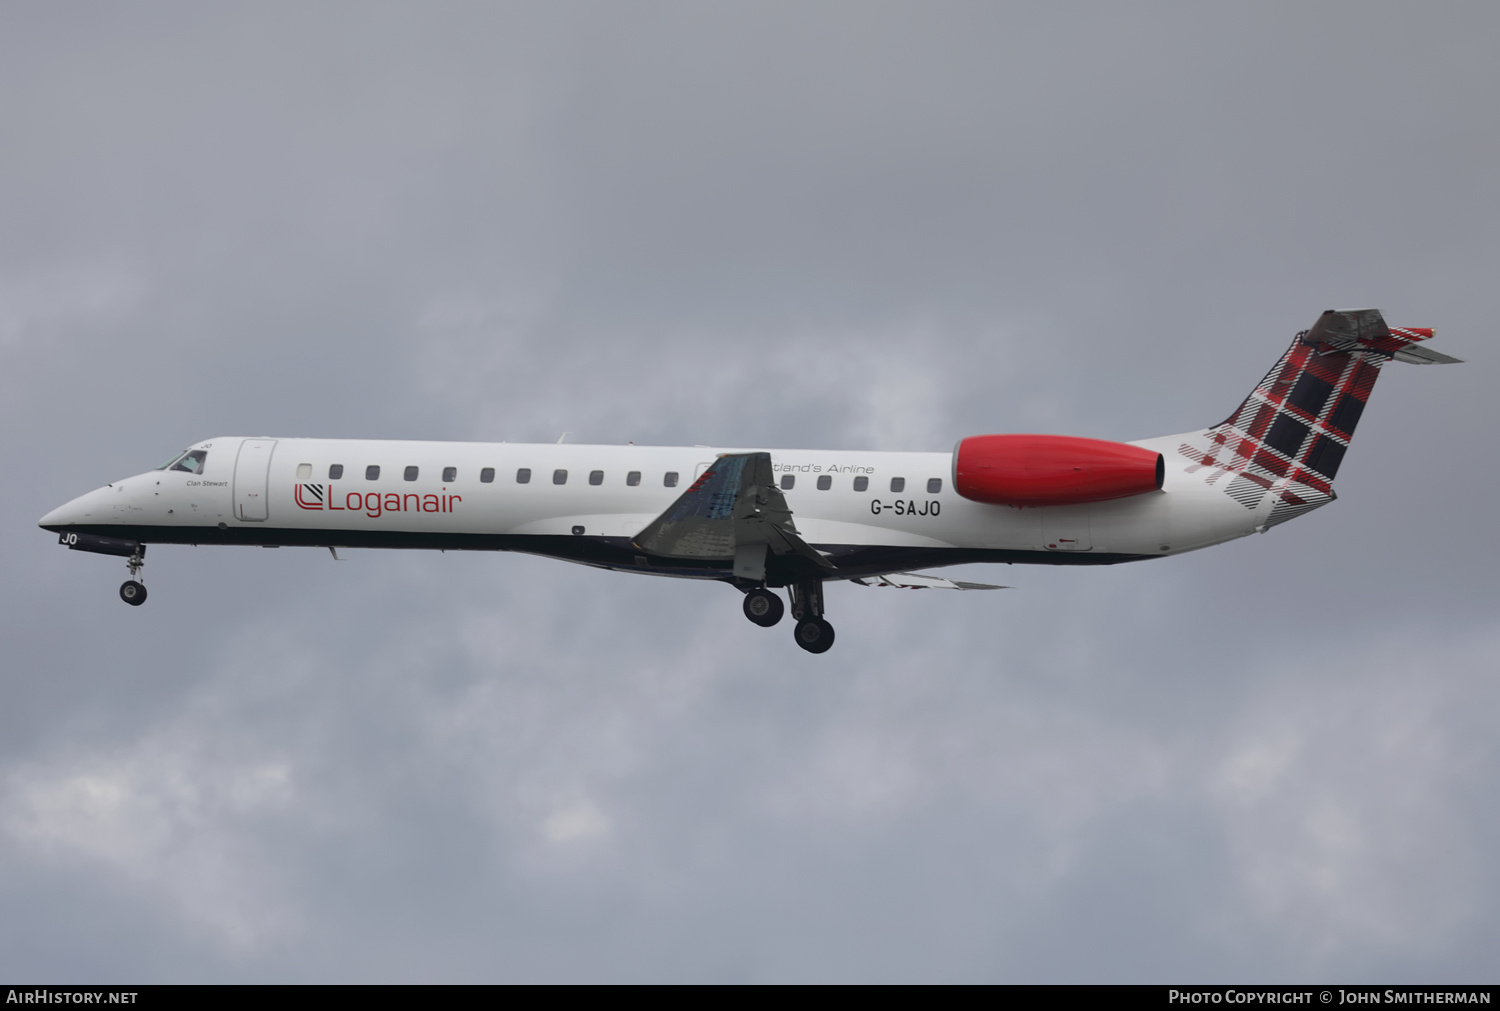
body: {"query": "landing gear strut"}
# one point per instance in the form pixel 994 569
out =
pixel 133 591
pixel 763 607
pixel 812 633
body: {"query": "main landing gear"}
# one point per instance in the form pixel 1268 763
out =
pixel 811 632
pixel 133 591
pixel 763 607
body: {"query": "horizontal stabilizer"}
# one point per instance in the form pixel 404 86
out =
pixel 919 581
pixel 1414 355
pixel 1366 330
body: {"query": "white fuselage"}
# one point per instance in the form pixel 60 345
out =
pixel 279 491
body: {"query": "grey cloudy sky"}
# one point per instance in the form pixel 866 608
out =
pixel 852 225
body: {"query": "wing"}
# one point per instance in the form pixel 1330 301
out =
pixel 733 511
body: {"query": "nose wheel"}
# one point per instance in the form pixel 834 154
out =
pixel 133 591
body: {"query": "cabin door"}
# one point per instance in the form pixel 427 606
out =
pixel 252 471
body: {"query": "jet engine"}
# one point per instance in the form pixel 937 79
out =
pixel 1049 470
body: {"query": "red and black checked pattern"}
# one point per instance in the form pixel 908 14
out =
pixel 1289 436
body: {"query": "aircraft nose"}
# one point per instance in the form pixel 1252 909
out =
pixel 83 509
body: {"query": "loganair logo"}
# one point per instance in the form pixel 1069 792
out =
pixel 308 496
pixel 373 504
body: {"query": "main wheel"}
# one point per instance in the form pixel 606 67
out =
pixel 764 607
pixel 814 635
pixel 133 593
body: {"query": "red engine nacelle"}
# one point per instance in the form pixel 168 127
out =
pixel 1045 470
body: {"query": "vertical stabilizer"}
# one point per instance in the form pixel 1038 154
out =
pixel 1279 452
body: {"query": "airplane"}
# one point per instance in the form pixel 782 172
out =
pixel 762 520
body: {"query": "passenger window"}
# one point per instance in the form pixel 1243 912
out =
pixel 861 484
pixel 633 478
pixel 898 484
pixel 670 480
pixel 450 473
pixel 372 473
pixel 410 475
pixel 788 482
pixel 824 482
pixel 191 462
pixel 596 477
pixel 335 471
pixel 304 471
pixel 487 475
pixel 559 477
pixel 934 485
pixel 523 476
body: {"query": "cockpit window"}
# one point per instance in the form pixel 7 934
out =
pixel 175 457
pixel 192 461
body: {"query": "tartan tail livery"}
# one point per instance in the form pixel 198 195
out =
pixel 1278 453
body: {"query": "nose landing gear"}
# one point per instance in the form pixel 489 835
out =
pixel 133 591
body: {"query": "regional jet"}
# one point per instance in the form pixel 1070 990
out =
pixel 764 520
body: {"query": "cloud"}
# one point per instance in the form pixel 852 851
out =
pixel 49 302
pixel 165 823
pixel 1347 792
